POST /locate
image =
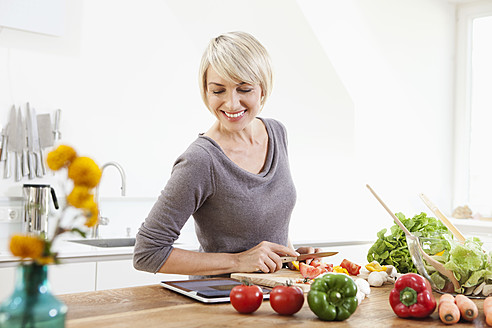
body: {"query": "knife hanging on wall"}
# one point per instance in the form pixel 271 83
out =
pixel 17 146
pixel 10 139
pixel 31 159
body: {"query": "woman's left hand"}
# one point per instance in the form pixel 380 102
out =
pixel 305 250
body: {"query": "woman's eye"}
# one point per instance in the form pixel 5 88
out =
pixel 217 92
pixel 245 90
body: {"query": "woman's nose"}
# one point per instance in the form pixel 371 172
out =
pixel 233 101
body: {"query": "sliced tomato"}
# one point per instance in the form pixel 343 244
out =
pixel 351 267
pixel 327 267
pixel 309 271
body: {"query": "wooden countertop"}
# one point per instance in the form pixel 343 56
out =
pixel 154 306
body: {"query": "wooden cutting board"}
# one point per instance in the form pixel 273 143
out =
pixel 272 279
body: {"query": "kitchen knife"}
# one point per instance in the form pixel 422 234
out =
pixel 23 143
pixel 10 142
pixel 17 146
pixel 56 129
pixel 36 149
pixel 30 144
pixel 4 143
pixel 45 134
pixel 5 153
pixel 301 257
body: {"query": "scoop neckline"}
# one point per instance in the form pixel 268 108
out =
pixel 269 157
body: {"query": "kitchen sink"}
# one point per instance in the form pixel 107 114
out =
pixel 107 242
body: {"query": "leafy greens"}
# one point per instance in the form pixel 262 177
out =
pixel 393 249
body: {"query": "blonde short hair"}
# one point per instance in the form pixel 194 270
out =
pixel 237 56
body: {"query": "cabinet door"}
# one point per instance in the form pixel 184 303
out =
pixel 120 274
pixel 72 277
pixel 63 278
pixel 7 281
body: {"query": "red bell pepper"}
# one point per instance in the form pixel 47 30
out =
pixel 412 297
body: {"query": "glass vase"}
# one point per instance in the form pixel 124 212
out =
pixel 32 305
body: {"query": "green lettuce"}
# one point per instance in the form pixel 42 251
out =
pixel 392 249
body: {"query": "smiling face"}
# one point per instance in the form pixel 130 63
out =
pixel 234 103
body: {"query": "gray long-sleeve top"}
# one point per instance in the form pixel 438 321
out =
pixel 234 209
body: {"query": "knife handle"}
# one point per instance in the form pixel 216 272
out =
pixel 287 259
pixel 25 163
pixel 18 167
pixel 32 165
pixel 6 167
pixel 39 165
pixel 3 156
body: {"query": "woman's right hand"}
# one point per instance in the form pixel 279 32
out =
pixel 264 257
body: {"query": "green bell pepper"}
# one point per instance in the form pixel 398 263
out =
pixel 333 297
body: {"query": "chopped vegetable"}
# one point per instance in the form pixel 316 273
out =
pixel 309 271
pixel 333 297
pixel 374 266
pixel 296 265
pixel 393 249
pixel 339 269
pixel 352 268
pixel 412 297
pixel 468 309
pixel 468 261
pixel 448 310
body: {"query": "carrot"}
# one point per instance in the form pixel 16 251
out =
pixel 487 310
pixel 468 309
pixel 448 310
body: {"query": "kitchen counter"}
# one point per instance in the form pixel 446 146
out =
pixel 75 253
pixel 70 252
pixel 154 306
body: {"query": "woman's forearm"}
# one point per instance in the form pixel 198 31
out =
pixel 187 262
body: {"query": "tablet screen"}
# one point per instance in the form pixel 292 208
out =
pixel 211 290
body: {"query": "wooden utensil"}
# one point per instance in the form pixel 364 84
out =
pixel 443 218
pixel 437 265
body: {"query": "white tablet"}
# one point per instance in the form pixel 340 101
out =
pixel 212 290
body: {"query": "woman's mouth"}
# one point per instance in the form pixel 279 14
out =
pixel 236 115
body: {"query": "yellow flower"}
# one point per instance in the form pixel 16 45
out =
pixel 60 157
pixel 26 246
pixel 79 196
pixel 84 172
pixel 92 213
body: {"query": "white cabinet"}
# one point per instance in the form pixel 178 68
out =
pixel 7 281
pixel 63 278
pixel 120 274
pixel 72 277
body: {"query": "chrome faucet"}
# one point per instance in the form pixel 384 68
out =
pixel 105 220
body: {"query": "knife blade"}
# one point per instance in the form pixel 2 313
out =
pixel 40 169
pixel 301 257
pixel 30 144
pixel 23 143
pixel 17 146
pixel 10 142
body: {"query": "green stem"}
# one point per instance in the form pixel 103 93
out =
pixel 408 296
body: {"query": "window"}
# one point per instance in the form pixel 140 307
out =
pixel 473 133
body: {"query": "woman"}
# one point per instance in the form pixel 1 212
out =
pixel 234 179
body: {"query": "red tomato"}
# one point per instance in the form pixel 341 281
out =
pixel 351 267
pixel 286 300
pixel 246 299
pixel 309 271
pixel 318 264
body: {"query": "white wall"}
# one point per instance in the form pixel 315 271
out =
pixel 364 89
